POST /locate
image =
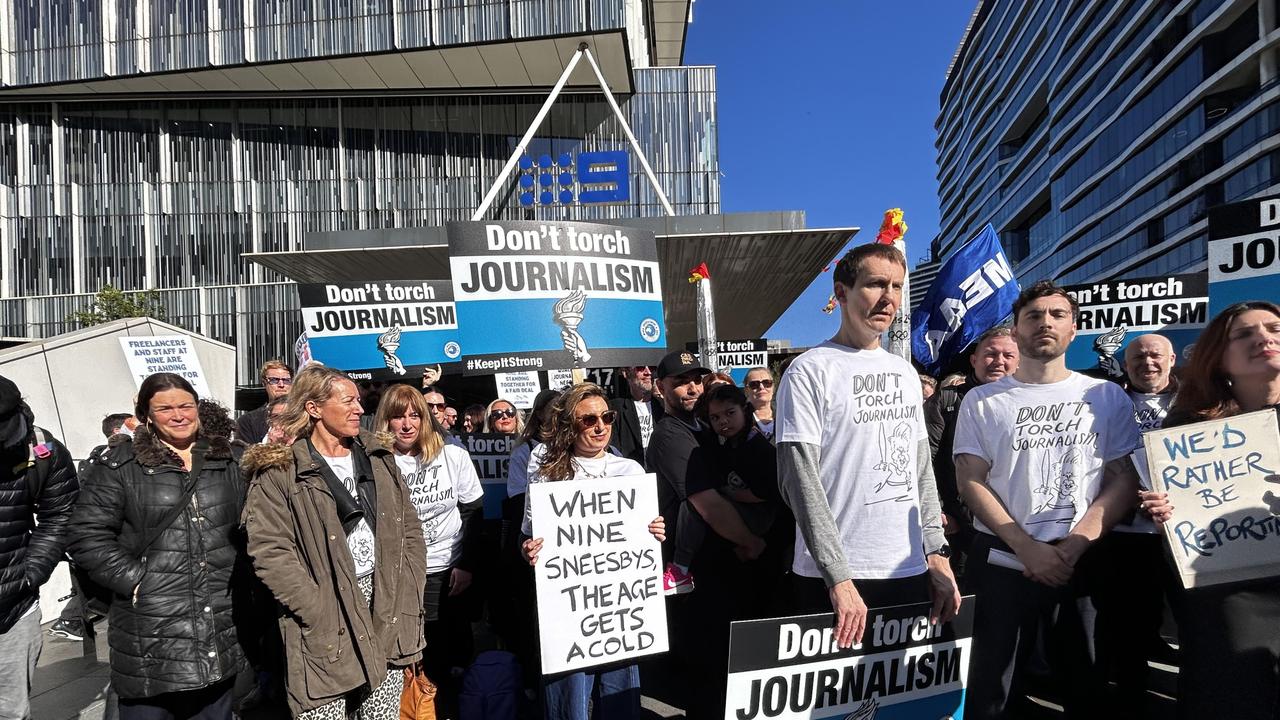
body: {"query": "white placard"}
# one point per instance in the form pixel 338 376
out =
pixel 599 574
pixel 150 354
pixel 520 388
pixel 559 379
pixel 1221 476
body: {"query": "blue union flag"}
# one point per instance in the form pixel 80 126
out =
pixel 972 293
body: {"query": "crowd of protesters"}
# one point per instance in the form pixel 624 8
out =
pixel 333 537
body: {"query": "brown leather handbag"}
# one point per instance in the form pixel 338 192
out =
pixel 418 700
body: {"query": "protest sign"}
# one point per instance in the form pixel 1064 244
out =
pixel 542 295
pixel 1244 252
pixel 490 453
pixel 559 379
pixel 381 330
pixel 519 388
pixel 599 574
pixel 1221 476
pixel 1114 312
pixel 736 357
pixel 905 667
pixel 150 354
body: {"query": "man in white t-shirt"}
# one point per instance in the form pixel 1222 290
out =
pixel 638 413
pixel 854 462
pixel 1042 460
pixel 1129 616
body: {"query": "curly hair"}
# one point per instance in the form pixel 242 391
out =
pixel 561 430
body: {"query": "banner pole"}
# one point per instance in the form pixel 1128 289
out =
pixel 528 134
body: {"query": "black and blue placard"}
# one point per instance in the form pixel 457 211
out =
pixel 541 295
pixel 1244 252
pixel 1114 312
pixel 382 330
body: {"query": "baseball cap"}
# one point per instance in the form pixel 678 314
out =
pixel 679 363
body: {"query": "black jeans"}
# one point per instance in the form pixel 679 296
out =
pixel 1010 614
pixel 1229 637
pixel 209 703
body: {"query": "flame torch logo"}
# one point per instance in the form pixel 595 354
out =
pixel 568 315
pixel 388 343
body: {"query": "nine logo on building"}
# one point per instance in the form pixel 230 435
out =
pixel 590 178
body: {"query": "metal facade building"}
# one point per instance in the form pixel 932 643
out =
pixel 150 144
pixel 1093 135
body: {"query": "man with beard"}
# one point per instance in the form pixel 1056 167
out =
pixel 994 355
pixel 637 414
pixel 854 463
pixel 700 628
pixel 1042 460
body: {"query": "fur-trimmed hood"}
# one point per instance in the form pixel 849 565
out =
pixel 264 457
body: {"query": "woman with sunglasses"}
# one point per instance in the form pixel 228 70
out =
pixel 1229 633
pixel 446 491
pixel 576 447
pixel 759 386
pixel 502 417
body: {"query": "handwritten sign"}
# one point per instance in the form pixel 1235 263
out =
pixel 1222 480
pixel 151 354
pixel 599 575
pixel 791 668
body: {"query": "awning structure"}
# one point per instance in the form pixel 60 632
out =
pixel 506 66
pixel 756 274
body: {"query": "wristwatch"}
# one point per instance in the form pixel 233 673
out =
pixel 943 551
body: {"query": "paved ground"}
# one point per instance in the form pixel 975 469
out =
pixel 71 685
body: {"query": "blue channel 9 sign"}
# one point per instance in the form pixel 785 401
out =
pixel 592 178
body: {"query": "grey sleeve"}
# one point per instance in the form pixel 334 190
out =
pixel 930 506
pixel 802 491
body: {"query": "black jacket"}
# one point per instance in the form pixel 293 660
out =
pixel 940 412
pixel 626 429
pixel 252 426
pixel 33 531
pixel 178 634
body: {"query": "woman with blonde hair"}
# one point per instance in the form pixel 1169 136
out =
pixel 502 417
pixel 333 535
pixel 576 447
pixel 446 491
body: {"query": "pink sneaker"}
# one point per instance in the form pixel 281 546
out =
pixel 675 581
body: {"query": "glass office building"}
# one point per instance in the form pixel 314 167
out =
pixel 149 144
pixel 1094 135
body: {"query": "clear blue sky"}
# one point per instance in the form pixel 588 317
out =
pixel 828 106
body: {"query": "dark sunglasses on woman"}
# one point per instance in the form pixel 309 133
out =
pixel 757 384
pixel 498 414
pixel 589 421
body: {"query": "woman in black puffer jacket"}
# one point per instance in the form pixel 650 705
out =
pixel 174 650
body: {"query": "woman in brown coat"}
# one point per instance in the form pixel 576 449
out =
pixel 333 535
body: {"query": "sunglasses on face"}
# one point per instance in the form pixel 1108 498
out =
pixel 499 414
pixel 757 384
pixel 436 406
pixel 589 421
pixel 279 381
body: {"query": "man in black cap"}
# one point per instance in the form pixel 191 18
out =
pixel 685 485
pixel 37 491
